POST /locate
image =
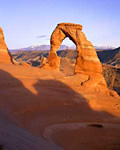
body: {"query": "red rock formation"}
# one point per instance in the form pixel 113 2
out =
pixel 5 56
pixel 87 60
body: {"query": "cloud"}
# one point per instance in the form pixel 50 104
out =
pixel 41 36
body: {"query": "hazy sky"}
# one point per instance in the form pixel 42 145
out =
pixel 28 22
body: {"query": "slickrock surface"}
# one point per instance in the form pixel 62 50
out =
pixel 38 101
pixel 14 138
pixel 87 62
pixel 5 56
pixel 39 107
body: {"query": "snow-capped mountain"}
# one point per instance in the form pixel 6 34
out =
pixel 42 47
pixel 104 47
pixel 36 47
pixel 62 47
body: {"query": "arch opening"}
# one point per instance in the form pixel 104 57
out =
pixel 67 54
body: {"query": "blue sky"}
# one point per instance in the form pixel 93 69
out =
pixel 28 22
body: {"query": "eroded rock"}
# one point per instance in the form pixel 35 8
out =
pixel 5 56
pixel 87 60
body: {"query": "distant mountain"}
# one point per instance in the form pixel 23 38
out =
pixel 41 47
pixel 104 47
pixel 62 47
pixel 110 56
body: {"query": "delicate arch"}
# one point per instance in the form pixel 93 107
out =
pixel 87 59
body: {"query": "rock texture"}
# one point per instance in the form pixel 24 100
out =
pixel 32 100
pixel 15 138
pixel 5 56
pixel 87 60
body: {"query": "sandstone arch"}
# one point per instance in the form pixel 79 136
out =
pixel 87 62
pixel 87 59
pixel 5 56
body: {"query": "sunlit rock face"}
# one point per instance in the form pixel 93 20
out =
pixel 87 61
pixel 5 56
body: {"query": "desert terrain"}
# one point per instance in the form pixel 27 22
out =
pixel 49 105
pixel 109 59
pixel 59 105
